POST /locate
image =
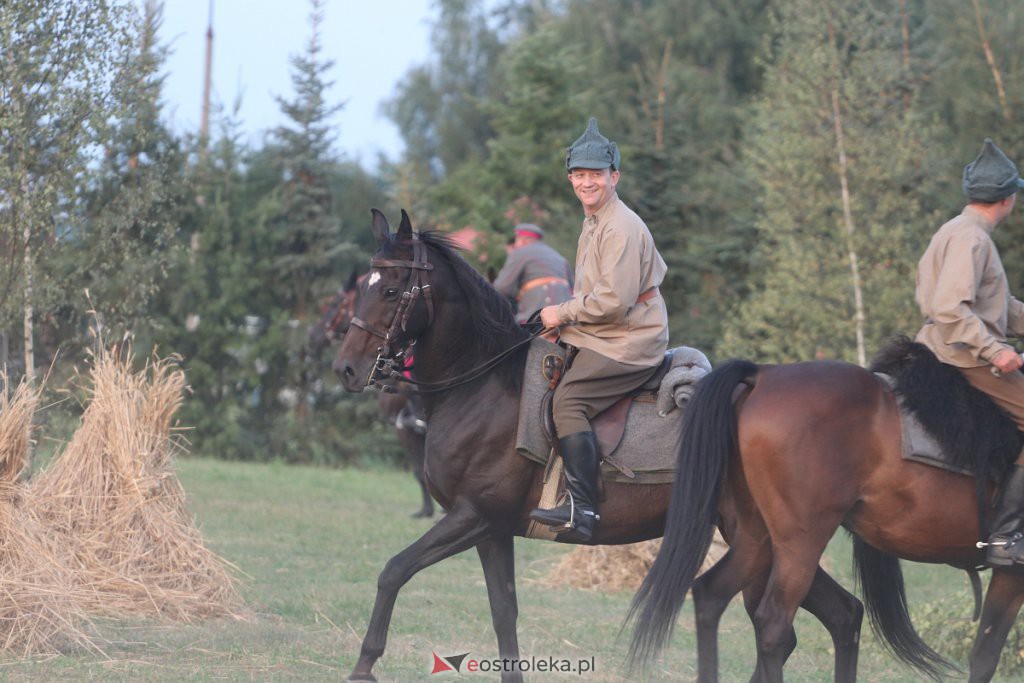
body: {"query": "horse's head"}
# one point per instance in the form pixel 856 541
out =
pixel 336 315
pixel 394 305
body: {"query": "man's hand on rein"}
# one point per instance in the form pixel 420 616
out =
pixel 549 316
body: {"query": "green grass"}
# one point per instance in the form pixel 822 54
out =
pixel 309 545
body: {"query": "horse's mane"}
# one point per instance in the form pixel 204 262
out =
pixel 494 324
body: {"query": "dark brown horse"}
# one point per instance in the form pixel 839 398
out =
pixel 399 407
pixel 781 457
pixel 420 289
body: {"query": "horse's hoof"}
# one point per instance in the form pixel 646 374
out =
pixel 362 678
pixel 423 514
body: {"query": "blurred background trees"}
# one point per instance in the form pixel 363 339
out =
pixel 792 158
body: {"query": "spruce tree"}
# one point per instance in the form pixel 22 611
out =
pixel 309 242
pixel 843 169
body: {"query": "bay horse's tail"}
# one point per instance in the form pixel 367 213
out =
pixel 709 441
pixel 881 580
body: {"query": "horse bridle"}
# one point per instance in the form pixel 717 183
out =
pixel 386 361
pixel 346 310
pixel 388 364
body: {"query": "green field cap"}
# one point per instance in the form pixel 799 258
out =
pixel 592 150
pixel 992 176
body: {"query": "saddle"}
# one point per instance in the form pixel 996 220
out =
pixel 610 424
pixel 640 434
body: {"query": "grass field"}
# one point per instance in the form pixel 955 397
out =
pixel 309 544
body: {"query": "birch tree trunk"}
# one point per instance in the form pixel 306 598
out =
pixel 990 58
pixel 851 249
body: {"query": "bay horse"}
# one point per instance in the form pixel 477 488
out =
pixel 419 289
pixel 781 456
pixel 398 406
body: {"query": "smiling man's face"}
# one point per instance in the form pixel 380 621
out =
pixel 593 187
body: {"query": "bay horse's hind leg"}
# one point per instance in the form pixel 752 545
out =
pixel 497 556
pixel 459 530
pixel 1002 602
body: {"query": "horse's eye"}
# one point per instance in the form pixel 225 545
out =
pixel 390 293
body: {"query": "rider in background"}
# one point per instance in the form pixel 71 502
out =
pixel 615 325
pixel 534 274
pixel 969 313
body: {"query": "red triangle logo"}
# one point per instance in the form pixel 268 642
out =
pixel 440 665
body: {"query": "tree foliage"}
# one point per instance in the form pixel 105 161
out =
pixel 791 157
pixel 62 65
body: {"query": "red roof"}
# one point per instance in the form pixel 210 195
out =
pixel 466 238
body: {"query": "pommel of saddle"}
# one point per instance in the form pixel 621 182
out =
pixel 552 368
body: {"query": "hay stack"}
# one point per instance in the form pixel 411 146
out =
pixel 118 510
pixel 617 567
pixel 40 606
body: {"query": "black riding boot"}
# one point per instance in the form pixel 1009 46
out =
pixel 1006 544
pixel 576 518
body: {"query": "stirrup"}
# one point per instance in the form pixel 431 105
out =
pixel 571 524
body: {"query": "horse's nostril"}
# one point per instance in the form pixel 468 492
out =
pixel 343 371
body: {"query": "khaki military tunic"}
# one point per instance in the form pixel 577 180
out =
pixel 617 262
pixel 964 295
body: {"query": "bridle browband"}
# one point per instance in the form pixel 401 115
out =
pixel 388 364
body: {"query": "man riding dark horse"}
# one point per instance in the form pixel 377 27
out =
pixel 969 313
pixel 615 324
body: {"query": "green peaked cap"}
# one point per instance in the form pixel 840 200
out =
pixel 992 176
pixel 592 150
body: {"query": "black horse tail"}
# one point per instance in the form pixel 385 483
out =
pixel 709 441
pixel 881 579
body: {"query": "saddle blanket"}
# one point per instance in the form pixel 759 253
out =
pixel 916 443
pixel 653 430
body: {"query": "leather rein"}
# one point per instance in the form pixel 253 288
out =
pixel 388 364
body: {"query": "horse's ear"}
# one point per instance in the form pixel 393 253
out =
pixel 405 227
pixel 353 280
pixel 381 229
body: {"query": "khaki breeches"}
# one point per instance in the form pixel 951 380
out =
pixel 591 384
pixel 1007 391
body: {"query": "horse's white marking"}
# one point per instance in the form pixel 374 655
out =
pixel 374 279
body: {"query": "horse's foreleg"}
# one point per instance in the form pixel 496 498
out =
pixel 1002 602
pixel 842 614
pixel 416 449
pixel 459 530
pixel 839 611
pixel 712 592
pixel 789 582
pixel 497 556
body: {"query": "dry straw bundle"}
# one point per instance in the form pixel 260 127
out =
pixel 616 567
pixel 112 499
pixel 40 606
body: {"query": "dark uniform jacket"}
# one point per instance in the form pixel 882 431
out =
pixel 535 276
